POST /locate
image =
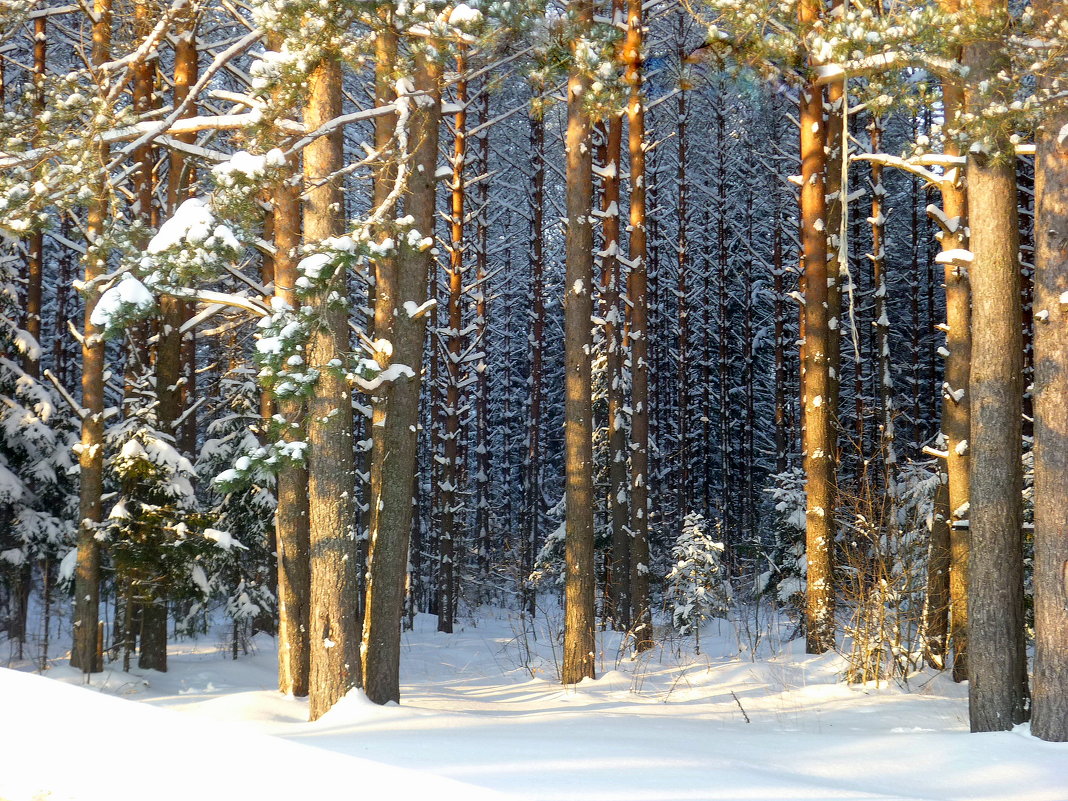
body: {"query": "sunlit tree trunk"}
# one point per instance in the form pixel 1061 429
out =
pixel 997 665
pixel 818 442
pixel 580 580
pixel 637 297
pixel 399 280
pixel 91 449
pixel 1050 711
pixel 449 489
pixel 334 649
pixel 291 513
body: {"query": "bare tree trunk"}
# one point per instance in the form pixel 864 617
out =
pixel 291 513
pixel 637 296
pixel 818 442
pixel 31 324
pixel 1050 716
pixel 997 665
pixel 483 536
pixel 449 487
pixel 399 280
pixel 580 612
pixel 956 402
pixel 683 494
pixel 618 590
pixel 91 453
pixel 334 666
pixel 532 490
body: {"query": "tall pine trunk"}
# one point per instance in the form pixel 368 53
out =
pixel 637 297
pixel 1050 715
pixel 818 441
pixel 580 580
pixel 291 513
pixel 91 450
pixel 997 663
pixel 334 666
pixel 398 280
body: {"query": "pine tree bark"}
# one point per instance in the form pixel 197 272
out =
pixel 291 513
pixel 1050 709
pixel 997 665
pixel 955 398
pixel 638 336
pixel 618 589
pixel 396 403
pixel 818 442
pixel 91 452
pixel 334 662
pixel 532 489
pixel 580 579
pixel 449 487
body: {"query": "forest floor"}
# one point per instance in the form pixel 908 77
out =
pixel 483 717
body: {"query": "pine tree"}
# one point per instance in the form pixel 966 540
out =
pixel 700 588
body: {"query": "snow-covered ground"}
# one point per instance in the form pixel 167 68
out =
pixel 480 720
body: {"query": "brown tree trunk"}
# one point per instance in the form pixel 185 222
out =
pixel 449 487
pixel 997 665
pixel 334 663
pixel 91 453
pixel 1050 711
pixel 532 491
pixel 483 536
pixel 637 296
pixel 818 442
pixel 291 514
pixel 955 400
pixel 579 641
pixel 396 403
pixel 618 590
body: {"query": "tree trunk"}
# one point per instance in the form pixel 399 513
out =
pixel 449 487
pixel 579 641
pixel 997 666
pixel 637 297
pixel 91 453
pixel 1050 715
pixel 618 590
pixel 396 403
pixel 955 399
pixel 532 490
pixel 291 514
pixel 818 442
pixel 334 666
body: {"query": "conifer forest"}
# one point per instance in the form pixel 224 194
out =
pixel 657 399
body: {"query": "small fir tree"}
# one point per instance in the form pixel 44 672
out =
pixel 698 580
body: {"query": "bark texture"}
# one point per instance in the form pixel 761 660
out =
pixel 91 454
pixel 396 405
pixel 1050 709
pixel 818 442
pixel 579 613
pixel 334 665
pixel 997 665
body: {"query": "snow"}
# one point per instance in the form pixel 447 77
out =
pixel 479 720
pixel 955 256
pixel 192 221
pixel 463 14
pixel 127 296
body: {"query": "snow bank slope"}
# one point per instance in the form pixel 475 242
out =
pixel 63 742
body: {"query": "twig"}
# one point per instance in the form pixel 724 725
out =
pixel 735 697
pixel 78 410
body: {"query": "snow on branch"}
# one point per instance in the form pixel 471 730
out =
pixel 882 62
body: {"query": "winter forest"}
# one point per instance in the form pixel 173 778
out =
pixel 572 374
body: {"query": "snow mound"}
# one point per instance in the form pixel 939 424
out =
pixel 53 734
